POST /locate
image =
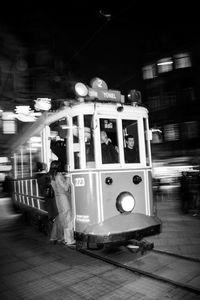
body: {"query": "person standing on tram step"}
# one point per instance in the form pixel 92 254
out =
pixel 46 191
pixel 130 151
pixel 58 147
pixel 109 152
pixel 62 230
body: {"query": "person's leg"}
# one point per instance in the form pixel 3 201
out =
pixel 68 229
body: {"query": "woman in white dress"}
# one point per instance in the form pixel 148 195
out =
pixel 62 230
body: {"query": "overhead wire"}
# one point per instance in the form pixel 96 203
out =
pixel 87 42
pixel 108 18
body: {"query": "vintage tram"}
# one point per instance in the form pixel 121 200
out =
pixel 112 200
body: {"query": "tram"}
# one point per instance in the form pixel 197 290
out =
pixel 112 200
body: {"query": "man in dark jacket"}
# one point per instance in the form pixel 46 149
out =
pixel 130 152
pixel 109 153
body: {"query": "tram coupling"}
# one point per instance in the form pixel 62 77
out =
pixel 140 246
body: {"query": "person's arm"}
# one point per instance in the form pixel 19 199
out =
pixel 64 182
pixel 114 153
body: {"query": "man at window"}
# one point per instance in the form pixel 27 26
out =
pixel 109 153
pixel 130 151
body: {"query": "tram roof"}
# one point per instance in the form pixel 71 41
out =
pixel 77 108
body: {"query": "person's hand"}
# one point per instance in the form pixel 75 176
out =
pixel 117 149
pixel 57 138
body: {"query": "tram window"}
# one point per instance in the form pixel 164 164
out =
pixel 76 142
pixel 147 146
pixel 35 148
pixel 109 141
pixel 130 137
pixel 58 131
pixel 89 143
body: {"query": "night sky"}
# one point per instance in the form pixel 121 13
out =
pixel 101 39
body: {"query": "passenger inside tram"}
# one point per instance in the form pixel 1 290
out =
pixel 58 141
pixel 131 141
pixel 109 152
pixel 58 147
pixel 130 151
pixel 89 146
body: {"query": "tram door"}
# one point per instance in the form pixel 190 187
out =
pixel 83 171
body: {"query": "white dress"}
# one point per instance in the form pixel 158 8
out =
pixel 63 226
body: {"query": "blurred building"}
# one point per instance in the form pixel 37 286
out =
pixel 28 71
pixel 171 92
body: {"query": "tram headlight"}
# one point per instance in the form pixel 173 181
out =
pixel 125 202
pixel 81 89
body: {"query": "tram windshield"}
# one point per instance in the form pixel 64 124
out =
pixel 110 143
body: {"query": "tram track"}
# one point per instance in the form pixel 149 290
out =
pixel 177 255
pixel 174 269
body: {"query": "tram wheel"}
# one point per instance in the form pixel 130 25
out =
pixel 79 245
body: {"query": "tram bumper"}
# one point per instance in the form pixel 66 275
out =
pixel 121 228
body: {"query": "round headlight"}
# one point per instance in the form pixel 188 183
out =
pixel 81 89
pixel 125 202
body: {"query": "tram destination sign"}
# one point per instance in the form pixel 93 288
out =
pixel 105 95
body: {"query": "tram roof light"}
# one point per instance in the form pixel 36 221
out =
pixel 135 96
pixel 81 89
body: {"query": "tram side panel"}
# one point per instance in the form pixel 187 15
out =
pixel 86 200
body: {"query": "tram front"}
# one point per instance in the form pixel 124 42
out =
pixel 111 172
